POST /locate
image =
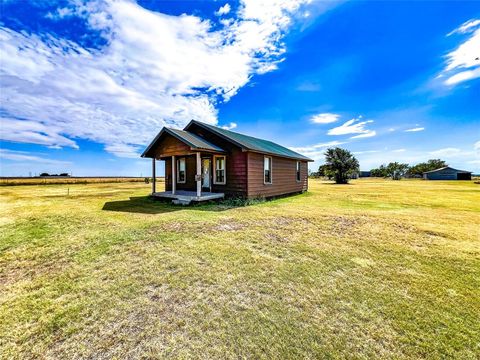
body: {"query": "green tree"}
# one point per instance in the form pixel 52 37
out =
pixel 430 165
pixel 341 164
pixel 323 171
pixel 396 170
pixel 379 172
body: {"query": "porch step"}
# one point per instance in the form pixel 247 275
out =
pixel 181 202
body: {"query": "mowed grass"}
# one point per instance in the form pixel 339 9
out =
pixel 375 269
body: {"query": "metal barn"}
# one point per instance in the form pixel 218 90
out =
pixel 447 173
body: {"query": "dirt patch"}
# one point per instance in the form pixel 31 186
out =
pixel 229 226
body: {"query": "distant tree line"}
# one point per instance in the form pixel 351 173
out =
pixel 341 165
pixel 397 170
pixel 61 174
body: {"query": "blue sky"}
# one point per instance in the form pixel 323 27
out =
pixel 85 85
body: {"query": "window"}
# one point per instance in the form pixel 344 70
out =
pixel 267 170
pixel 298 170
pixel 219 164
pixel 181 173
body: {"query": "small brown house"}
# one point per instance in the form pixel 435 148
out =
pixel 204 162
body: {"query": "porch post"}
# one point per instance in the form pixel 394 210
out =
pixel 199 175
pixel 174 175
pixel 154 177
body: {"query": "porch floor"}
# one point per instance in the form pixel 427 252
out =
pixel 185 195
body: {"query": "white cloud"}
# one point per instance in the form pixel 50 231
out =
pixel 366 134
pixel 230 126
pixel 353 126
pixel 476 146
pixel 27 157
pixel 446 152
pixel 225 9
pixel 324 118
pixel 416 129
pixel 154 70
pixel 366 152
pixel 316 152
pixel 463 63
pixel 399 150
pixel 463 76
pixel 466 27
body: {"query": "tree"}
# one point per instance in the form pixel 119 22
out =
pixel 430 165
pixel 379 172
pixel 323 171
pixel 396 170
pixel 341 164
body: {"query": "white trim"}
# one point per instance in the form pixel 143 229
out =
pixel 215 182
pixel 174 175
pixel 271 171
pixel 199 175
pixel 178 170
pixel 298 171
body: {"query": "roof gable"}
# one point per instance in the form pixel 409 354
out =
pixel 250 143
pixel 193 141
pixel 445 168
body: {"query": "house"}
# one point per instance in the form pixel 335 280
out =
pixel 447 173
pixel 204 162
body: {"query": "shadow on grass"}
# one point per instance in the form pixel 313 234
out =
pixel 149 205
pixel 141 205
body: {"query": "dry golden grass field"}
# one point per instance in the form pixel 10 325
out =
pixel 374 269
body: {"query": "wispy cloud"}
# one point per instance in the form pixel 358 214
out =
pixel 230 126
pixel 224 10
pixel 415 129
pixel 154 70
pixel 324 118
pixel 316 151
pixel 446 152
pixel 463 63
pixel 27 157
pixel 354 126
pixel 476 146
pixel 366 152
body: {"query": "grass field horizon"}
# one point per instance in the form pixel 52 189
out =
pixel 373 269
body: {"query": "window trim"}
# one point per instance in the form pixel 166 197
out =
pixel 178 170
pixel 271 171
pixel 298 171
pixel 215 182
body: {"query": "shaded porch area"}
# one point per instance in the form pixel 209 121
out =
pixel 186 195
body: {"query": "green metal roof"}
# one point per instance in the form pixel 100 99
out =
pixel 192 140
pixel 251 143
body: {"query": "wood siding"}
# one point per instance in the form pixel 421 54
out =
pixel 235 174
pixel 284 179
pixel 190 171
pixel 171 146
pixel 236 164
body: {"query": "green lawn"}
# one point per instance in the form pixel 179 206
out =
pixel 375 269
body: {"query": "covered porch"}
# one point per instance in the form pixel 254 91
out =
pixel 188 167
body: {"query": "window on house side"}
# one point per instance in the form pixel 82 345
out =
pixel 220 177
pixel 267 170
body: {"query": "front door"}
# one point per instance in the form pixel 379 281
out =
pixel 206 173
